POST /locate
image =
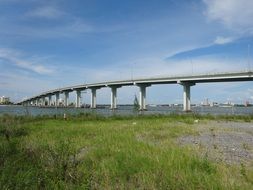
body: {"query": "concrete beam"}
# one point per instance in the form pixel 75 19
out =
pixel 142 101
pixel 57 98
pixel 113 97
pixel 39 101
pixel 50 100
pixel 187 96
pixel 93 104
pixel 78 98
pixel 43 101
pixel 66 99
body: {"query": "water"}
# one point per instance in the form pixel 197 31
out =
pixel 123 110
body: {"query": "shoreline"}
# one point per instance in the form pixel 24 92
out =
pixel 122 110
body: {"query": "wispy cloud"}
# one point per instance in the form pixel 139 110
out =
pixel 223 40
pixel 47 12
pixel 18 86
pixel 234 14
pixel 15 57
pixel 44 20
pixel 155 67
pixel 71 28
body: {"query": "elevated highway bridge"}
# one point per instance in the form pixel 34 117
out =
pixel 185 80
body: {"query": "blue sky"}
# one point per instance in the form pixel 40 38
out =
pixel 50 44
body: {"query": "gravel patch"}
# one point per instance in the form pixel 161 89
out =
pixel 233 146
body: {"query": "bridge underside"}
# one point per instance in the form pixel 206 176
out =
pixel 45 99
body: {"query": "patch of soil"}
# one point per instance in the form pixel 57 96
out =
pixel 234 146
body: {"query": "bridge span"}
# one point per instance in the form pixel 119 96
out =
pixel 186 81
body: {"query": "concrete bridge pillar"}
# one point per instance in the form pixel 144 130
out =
pixel 57 98
pixel 78 98
pixel 114 97
pixel 142 101
pixel 187 95
pixel 93 98
pixel 42 101
pixel 66 99
pixel 50 100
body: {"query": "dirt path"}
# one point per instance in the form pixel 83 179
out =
pixel 231 142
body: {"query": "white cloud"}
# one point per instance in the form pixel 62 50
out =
pixel 223 40
pixel 47 12
pixel 152 67
pixel 72 28
pixel 13 56
pixel 17 85
pixel 69 30
pixel 234 14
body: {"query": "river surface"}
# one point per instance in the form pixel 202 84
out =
pixel 123 110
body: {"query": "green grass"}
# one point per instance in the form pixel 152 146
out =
pixel 94 152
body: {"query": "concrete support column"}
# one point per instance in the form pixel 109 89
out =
pixel 49 100
pixel 93 98
pixel 57 98
pixel 142 101
pixel 113 97
pixel 43 101
pixel 187 96
pixel 66 99
pixel 78 98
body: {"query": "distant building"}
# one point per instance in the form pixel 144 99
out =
pixel 214 104
pixel 4 100
pixel 205 103
pixel 247 104
pixel 227 104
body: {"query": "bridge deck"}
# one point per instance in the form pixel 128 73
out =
pixel 203 78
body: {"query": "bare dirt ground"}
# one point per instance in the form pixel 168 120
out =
pixel 229 142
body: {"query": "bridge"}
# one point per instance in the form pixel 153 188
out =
pixel 186 81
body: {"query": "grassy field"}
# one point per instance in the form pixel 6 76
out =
pixel 94 152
